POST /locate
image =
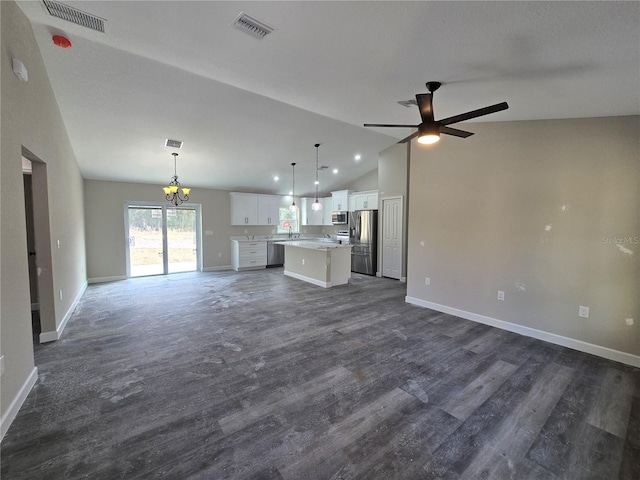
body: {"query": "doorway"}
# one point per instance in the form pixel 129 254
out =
pixel 162 239
pixel 392 237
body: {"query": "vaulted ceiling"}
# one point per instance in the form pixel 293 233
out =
pixel 246 108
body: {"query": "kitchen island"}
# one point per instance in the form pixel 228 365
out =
pixel 324 264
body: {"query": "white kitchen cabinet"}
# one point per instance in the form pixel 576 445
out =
pixel 363 201
pixel 340 200
pixel 268 209
pixel 327 208
pixel 254 209
pixel 249 255
pixel 315 217
pixel 244 208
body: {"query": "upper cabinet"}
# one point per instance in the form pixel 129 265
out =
pixel 244 208
pixel 363 201
pixel 315 217
pixel 340 200
pixel 268 209
pixel 254 209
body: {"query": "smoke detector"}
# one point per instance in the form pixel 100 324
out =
pixel 173 143
pixel 254 27
pixel 73 15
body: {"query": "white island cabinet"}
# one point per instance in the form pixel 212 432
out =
pixel 323 264
pixel 248 255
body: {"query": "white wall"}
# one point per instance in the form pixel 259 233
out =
pixel 527 208
pixel 32 125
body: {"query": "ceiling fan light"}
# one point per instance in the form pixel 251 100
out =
pixel 429 133
pixel 429 138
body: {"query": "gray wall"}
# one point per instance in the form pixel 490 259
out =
pixel 368 181
pixel 533 208
pixel 105 225
pixel 393 181
pixel 31 124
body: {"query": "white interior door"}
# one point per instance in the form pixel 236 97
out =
pixel 392 237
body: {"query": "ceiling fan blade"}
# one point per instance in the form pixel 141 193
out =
pixel 389 126
pixel 425 104
pixel 406 139
pixel 474 113
pixel 455 132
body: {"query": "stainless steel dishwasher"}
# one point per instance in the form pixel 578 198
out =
pixel 275 254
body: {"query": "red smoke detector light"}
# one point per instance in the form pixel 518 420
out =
pixel 62 42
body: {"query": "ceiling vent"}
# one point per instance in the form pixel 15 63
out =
pixel 74 15
pixel 323 167
pixel 408 103
pixel 173 143
pixel 252 26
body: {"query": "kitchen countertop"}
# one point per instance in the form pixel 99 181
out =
pixel 284 238
pixel 313 245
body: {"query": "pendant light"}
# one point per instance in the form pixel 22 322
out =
pixel 316 206
pixel 174 193
pixel 293 207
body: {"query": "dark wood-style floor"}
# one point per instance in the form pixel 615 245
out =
pixel 254 375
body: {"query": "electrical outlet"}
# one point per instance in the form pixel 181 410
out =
pixel 629 320
pixel 427 281
pixel 219 254
pixel 501 295
pixel 583 311
pixel 60 294
pixel 2 365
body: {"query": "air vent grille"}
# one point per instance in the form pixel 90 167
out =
pixel 173 143
pixel 323 167
pixel 74 15
pixel 408 103
pixel 252 26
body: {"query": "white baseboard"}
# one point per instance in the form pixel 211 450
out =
pixel 217 269
pixel 403 279
pixel 604 352
pixel 46 337
pixel 304 278
pixel 10 415
pixel 106 279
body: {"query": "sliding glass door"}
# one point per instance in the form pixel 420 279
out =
pixel 162 239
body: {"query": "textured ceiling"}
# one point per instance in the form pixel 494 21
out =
pixel 247 108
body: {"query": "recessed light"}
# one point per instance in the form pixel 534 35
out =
pixel 335 170
pixel 290 193
pixel 317 182
pixel 276 178
pixel 357 157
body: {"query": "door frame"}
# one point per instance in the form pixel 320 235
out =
pixel 382 222
pixel 165 247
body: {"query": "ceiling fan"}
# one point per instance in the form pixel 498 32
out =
pixel 430 129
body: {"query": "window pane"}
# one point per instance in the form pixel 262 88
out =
pixel 288 221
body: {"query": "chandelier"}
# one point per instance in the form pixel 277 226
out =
pixel 174 193
pixel 316 206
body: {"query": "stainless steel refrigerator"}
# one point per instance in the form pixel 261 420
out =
pixel 363 237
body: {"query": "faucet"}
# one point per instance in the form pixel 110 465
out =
pixel 289 232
